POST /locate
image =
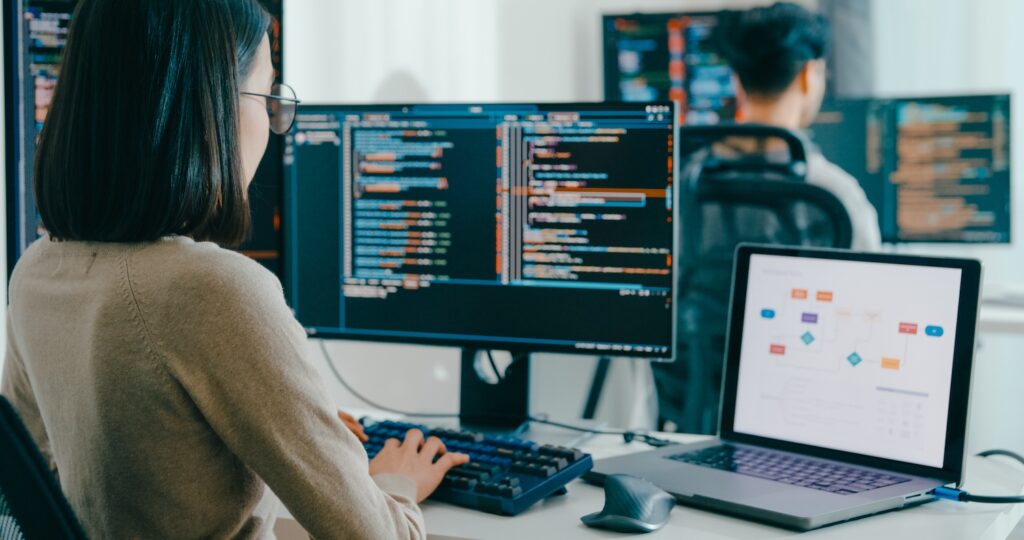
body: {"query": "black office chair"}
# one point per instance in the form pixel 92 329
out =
pixel 730 195
pixel 31 503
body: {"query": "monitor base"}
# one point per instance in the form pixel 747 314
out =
pixel 494 406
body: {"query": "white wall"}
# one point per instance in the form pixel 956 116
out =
pixel 387 50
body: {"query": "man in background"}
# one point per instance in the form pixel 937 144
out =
pixel 778 55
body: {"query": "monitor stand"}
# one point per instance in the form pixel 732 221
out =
pixel 500 406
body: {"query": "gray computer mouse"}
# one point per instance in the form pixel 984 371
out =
pixel 631 505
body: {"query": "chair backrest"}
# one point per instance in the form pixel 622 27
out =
pixel 788 155
pixel 729 198
pixel 726 213
pixel 31 502
pixel 748 197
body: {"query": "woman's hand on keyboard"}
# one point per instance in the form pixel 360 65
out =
pixel 415 458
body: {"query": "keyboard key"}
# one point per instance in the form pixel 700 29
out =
pixel 481 476
pixel 570 454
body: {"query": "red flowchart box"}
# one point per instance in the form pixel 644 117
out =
pixel 908 328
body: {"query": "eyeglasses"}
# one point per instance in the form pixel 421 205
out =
pixel 281 102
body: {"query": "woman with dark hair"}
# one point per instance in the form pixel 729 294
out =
pixel 161 374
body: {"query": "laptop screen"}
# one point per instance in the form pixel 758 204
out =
pixel 848 355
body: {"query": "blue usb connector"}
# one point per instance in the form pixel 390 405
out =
pixel 951 494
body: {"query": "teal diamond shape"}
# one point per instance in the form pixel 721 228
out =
pixel 854 359
pixel 807 338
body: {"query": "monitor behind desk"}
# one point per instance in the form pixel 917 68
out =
pixel 937 169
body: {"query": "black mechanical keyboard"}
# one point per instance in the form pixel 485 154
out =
pixel 505 475
pixel 790 469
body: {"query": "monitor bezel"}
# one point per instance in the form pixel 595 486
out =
pixel 514 345
pixel 963 354
pixel 12 114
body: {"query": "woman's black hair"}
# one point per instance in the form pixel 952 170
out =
pixel 768 46
pixel 141 140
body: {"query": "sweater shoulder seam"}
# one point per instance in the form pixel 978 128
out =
pixel 137 315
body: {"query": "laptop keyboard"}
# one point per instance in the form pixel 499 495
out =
pixel 789 469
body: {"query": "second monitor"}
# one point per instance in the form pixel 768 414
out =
pixel 937 168
pixel 668 56
pixel 519 227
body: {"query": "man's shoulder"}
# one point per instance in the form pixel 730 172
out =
pixel 822 171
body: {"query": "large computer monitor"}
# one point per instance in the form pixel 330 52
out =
pixel 937 168
pixel 668 56
pixel 35 33
pixel 533 227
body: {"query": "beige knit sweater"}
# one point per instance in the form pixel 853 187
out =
pixel 166 384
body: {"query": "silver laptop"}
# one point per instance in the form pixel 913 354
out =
pixel 845 389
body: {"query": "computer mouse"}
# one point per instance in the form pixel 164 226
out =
pixel 631 505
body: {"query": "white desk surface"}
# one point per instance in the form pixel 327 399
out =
pixel 558 517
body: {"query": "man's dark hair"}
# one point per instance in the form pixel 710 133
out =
pixel 768 46
pixel 141 140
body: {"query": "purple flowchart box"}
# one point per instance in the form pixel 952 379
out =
pixel 811 318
